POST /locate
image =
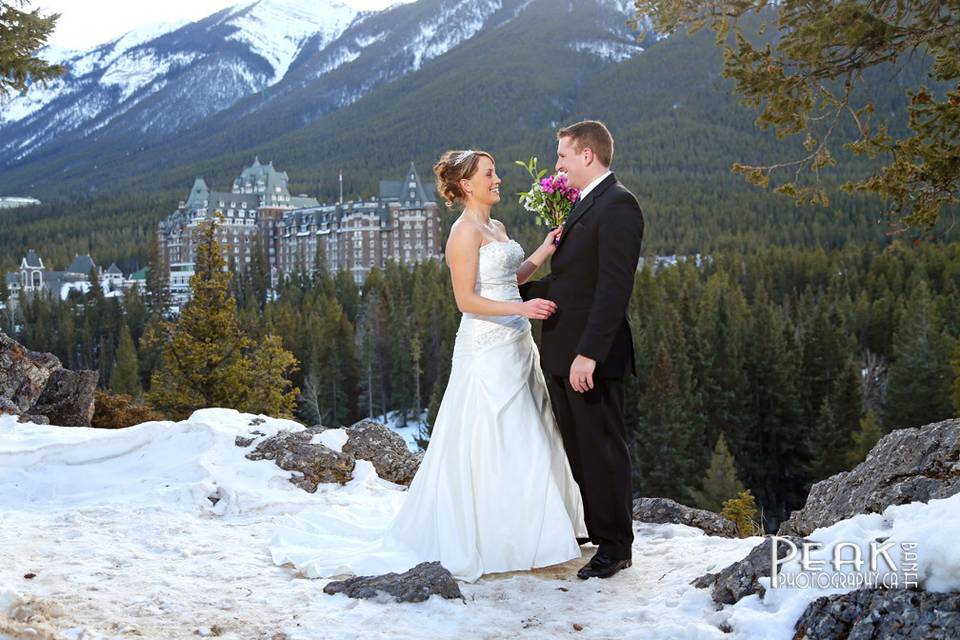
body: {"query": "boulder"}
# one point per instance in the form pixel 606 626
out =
pixel 416 585
pixel 314 463
pixel 387 451
pixel 35 387
pixel 906 465
pixel 739 579
pixel 23 373
pixel 67 399
pixel 666 511
pixel 896 614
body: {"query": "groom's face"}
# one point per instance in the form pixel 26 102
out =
pixel 572 162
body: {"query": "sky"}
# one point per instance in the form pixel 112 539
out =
pixel 91 22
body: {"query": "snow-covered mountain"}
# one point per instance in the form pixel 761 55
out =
pixel 161 78
pixel 251 72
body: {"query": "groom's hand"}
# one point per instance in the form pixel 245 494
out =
pixel 581 373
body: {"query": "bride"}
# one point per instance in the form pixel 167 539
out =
pixel 494 491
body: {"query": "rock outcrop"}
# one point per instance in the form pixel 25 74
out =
pixel 865 614
pixel 416 585
pixel 36 387
pixel 906 465
pixel 313 463
pixel 666 511
pixel 739 579
pixel 387 451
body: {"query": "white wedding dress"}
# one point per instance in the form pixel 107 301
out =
pixel 494 491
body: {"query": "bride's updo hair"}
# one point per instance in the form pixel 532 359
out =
pixel 454 166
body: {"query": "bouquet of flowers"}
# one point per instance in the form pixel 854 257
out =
pixel 550 197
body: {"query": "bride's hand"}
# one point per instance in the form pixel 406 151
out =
pixel 538 309
pixel 550 242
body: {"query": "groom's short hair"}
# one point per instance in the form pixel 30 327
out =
pixel 593 134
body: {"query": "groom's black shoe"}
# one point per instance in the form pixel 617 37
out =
pixel 602 566
pixel 583 541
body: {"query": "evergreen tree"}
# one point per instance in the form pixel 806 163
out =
pixel 864 440
pixel 831 434
pixel 206 359
pixel 775 452
pixel 22 34
pixel 125 377
pixel 269 389
pixel 742 511
pixel 158 280
pixel 920 379
pixel 810 71
pixel 721 482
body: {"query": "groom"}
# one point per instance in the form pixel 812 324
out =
pixel 586 346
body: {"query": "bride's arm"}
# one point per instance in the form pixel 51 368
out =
pixel 538 257
pixel 463 257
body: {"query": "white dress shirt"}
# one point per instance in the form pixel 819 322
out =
pixel 590 187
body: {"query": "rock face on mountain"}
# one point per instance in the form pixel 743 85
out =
pixel 906 465
pixel 664 510
pixel 36 387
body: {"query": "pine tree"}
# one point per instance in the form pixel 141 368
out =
pixel 125 377
pixel 864 440
pixel 721 481
pixel 666 432
pixel 742 511
pixel 920 379
pixel 775 451
pixel 269 389
pixel 158 280
pixel 839 418
pixel 206 356
pixel 22 35
pixel 4 290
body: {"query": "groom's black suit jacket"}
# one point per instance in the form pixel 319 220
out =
pixel 591 280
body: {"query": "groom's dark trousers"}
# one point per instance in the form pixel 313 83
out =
pixel 591 280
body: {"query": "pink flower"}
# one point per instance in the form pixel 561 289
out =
pixel 572 194
pixel 547 185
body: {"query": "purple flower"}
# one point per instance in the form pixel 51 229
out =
pixel 572 194
pixel 547 185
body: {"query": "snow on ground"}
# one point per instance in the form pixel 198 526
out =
pixel 161 531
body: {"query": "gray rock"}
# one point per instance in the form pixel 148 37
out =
pixel 23 373
pixel 314 463
pixel 664 510
pixel 369 440
pixel 416 585
pixel 67 398
pixel 35 387
pixel 739 579
pixel 906 465
pixel 866 614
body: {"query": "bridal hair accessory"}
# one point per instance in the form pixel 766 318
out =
pixel 462 156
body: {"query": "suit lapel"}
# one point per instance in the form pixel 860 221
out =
pixel 584 205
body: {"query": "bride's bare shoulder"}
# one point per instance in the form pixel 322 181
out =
pixel 465 238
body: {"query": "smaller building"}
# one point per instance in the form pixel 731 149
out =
pixel 14 203
pixel 34 278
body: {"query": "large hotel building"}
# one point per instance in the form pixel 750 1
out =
pixel 402 224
